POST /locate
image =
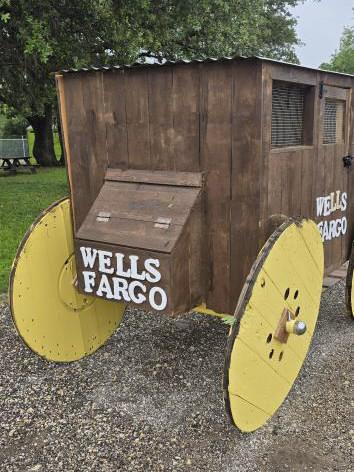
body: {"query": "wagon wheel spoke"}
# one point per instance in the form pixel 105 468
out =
pixel 275 320
pixel 51 316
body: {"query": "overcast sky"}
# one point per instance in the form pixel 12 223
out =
pixel 320 25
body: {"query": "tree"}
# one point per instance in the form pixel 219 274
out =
pixel 343 59
pixel 42 36
pixel 14 127
pixel 38 38
pixel 208 28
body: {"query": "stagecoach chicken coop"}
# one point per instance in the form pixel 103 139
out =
pixel 217 186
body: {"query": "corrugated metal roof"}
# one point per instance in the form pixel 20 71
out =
pixel 147 64
pixel 192 61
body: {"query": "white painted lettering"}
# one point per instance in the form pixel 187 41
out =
pixel 89 280
pixel 338 200
pixel 332 229
pixel 163 303
pixel 88 256
pixel 120 289
pixel 152 274
pixel 344 225
pixel 104 288
pixel 344 201
pixel 327 206
pixel 104 262
pixel 320 205
pixel 134 296
pixel 112 274
pixel 120 266
pixel 325 233
pixel 134 269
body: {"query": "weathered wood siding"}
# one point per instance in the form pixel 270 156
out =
pixel 213 118
pixel 297 175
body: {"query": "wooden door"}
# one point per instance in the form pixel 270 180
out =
pixel 332 209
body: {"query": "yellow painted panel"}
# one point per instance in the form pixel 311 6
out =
pixel 289 275
pixel 246 416
pixel 51 316
pixel 352 294
pixel 268 301
pixel 256 382
pixel 203 309
pixel 314 248
pixel 278 356
pixel 349 295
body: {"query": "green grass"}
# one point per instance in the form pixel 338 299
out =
pixel 22 197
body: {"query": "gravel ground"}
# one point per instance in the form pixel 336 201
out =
pixel 151 400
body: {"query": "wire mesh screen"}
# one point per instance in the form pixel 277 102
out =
pixel 288 103
pixel 333 124
pixel 13 148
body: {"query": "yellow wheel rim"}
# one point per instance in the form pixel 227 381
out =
pixel 51 316
pixel 259 369
pixel 350 283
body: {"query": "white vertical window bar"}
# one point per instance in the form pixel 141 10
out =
pixel 23 147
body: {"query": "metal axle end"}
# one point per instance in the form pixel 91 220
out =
pixel 296 327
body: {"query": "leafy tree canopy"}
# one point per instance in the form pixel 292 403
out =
pixel 343 59
pixel 198 28
pixel 38 37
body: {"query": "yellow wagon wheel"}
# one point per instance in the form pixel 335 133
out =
pixel 350 283
pixel 280 300
pixel 51 316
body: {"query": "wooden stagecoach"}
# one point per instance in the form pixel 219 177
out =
pixel 219 186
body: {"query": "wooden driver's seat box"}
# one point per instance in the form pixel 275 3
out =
pixel 141 240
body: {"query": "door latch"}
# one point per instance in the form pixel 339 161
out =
pixel 348 160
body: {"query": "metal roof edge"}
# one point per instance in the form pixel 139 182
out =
pixel 138 65
pixel 300 66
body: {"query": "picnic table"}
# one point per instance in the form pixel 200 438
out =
pixel 14 155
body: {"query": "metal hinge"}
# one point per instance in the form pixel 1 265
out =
pixel 348 161
pixel 103 216
pixel 321 90
pixel 163 223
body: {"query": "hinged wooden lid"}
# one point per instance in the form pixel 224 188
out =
pixel 163 177
pixel 144 216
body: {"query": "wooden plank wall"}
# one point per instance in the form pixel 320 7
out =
pixel 152 118
pixel 351 175
pixel 296 176
pixel 213 117
pixel 83 124
pixel 350 178
pixel 215 155
pixel 170 118
pixel 288 172
pixel 247 172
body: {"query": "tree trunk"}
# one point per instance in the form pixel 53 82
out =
pixel 43 148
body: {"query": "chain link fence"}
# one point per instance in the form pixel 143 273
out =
pixel 14 148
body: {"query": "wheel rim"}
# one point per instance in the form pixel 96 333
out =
pixel 50 315
pixel 259 369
